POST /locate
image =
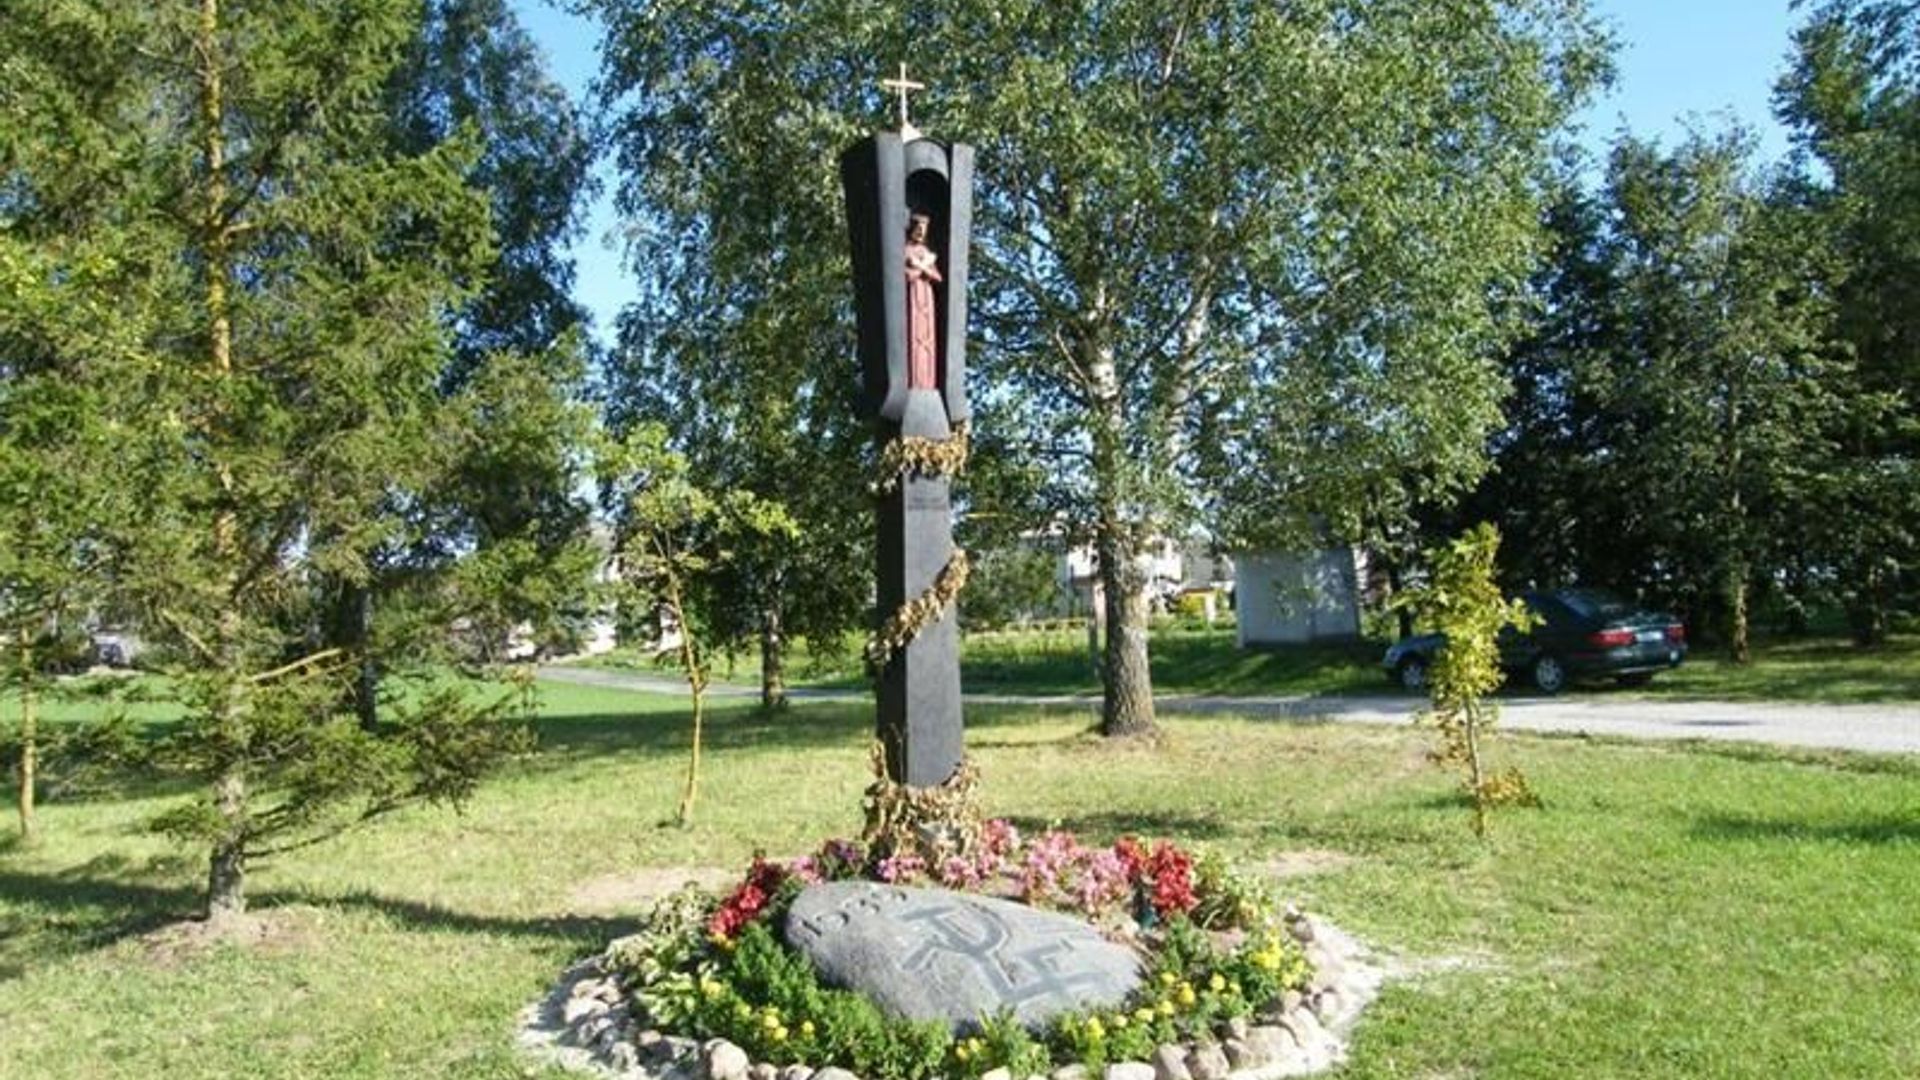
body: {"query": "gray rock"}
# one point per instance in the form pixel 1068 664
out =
pixel 1001 1073
pixel 1306 1029
pixel 622 1056
pixel 1170 1063
pixel 1237 1027
pixel 1290 1001
pixel 1242 1054
pixel 834 1072
pixel 1075 1071
pixel 932 954
pixel 1326 1005
pixel 721 1060
pixel 797 1072
pixel 578 1009
pixel 1327 967
pixel 1277 1041
pixel 1206 1061
pixel 763 1071
pixel 1128 1070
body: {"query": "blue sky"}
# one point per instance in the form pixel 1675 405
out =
pixel 1681 63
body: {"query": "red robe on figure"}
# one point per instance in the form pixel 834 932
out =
pixel 923 350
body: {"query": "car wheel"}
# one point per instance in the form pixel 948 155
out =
pixel 1413 674
pixel 1549 675
pixel 1638 678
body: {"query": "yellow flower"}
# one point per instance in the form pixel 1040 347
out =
pixel 743 1011
pixel 1144 1015
pixel 1166 1008
pixel 1235 987
pixel 710 988
pixel 769 1021
pixel 961 1052
pixel 1095 1029
pixel 779 1034
pixel 1119 1020
pixel 1167 978
pixel 1185 996
pixel 806 1028
pixel 1217 983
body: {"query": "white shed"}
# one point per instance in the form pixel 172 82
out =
pixel 1289 598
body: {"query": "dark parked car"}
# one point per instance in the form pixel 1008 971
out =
pixel 1580 633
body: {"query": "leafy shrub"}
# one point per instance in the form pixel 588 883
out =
pixel 746 986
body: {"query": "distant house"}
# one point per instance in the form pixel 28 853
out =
pixel 1290 599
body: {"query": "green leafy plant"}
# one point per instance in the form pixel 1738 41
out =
pixel 675 540
pixel 711 967
pixel 1463 602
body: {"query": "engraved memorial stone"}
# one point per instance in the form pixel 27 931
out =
pixel 931 954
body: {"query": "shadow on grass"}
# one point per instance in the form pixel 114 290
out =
pixel 59 915
pixel 738 726
pixel 418 916
pixel 53 916
pixel 1884 830
pixel 1146 824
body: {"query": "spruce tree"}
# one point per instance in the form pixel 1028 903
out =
pixel 288 284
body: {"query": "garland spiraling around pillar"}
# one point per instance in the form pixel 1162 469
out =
pixel 916 455
pixel 918 613
pixel 920 456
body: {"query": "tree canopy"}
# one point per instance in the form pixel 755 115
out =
pixel 1235 262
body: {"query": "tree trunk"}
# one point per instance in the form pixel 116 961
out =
pixel 1127 706
pixel 1866 614
pixel 29 735
pixel 1403 614
pixel 364 697
pixel 1737 617
pixel 227 873
pixel 1476 777
pixel 773 658
pixel 226 877
pixel 692 662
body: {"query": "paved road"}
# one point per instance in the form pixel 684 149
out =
pixel 1880 728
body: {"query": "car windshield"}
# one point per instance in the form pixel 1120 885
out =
pixel 1594 603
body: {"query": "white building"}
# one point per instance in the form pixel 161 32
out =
pixel 1291 599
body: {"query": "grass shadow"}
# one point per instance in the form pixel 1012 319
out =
pixel 1884 830
pixel 52 916
pixel 1149 824
pixel 416 915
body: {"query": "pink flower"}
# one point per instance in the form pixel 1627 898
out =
pixel 898 868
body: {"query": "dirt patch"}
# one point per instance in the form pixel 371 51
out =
pixel 274 931
pixel 1305 863
pixel 632 891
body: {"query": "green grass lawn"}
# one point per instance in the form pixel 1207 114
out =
pixel 1185 661
pixel 1672 911
pixel 1195 661
pixel 1821 669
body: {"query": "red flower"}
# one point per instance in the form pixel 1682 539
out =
pixel 1170 872
pixel 749 900
pixel 1133 856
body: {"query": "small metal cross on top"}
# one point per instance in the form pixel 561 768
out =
pixel 903 86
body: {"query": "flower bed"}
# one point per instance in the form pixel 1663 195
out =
pixel 1216 954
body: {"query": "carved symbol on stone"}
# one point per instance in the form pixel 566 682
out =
pixel 977 936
